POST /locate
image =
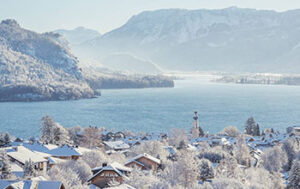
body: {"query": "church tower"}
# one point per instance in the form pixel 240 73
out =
pixel 195 119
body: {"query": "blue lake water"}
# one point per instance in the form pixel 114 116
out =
pixel 160 109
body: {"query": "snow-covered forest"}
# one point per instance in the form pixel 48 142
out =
pixel 192 158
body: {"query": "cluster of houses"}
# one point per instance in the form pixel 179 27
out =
pixel 44 156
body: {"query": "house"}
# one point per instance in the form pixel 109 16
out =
pixel 116 145
pixel 30 184
pixel 106 174
pixel 295 130
pixel 20 155
pixel 65 152
pixel 121 186
pixel 144 161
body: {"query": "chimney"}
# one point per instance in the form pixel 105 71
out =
pixel 104 164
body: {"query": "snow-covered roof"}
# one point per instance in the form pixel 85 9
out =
pixel 116 165
pixel 16 169
pixel 82 150
pixel 22 154
pixel 36 146
pixel 146 156
pixel 117 145
pixel 109 167
pixel 39 178
pixel 53 160
pixel 29 184
pixel 122 186
pixel 64 151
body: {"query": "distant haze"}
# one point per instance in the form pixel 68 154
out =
pixel 105 15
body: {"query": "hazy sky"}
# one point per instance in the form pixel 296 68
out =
pixel 105 15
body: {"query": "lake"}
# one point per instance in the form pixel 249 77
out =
pixel 160 109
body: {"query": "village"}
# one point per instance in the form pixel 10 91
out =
pixel 96 158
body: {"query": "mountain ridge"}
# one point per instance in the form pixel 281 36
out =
pixel 232 39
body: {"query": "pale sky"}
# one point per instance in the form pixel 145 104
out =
pixel 105 15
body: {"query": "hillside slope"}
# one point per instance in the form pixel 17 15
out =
pixel 230 39
pixel 36 67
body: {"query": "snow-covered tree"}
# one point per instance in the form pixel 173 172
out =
pixel 67 176
pixel 61 135
pixel 5 168
pixel 289 148
pixel 215 154
pixel 92 137
pixel 226 183
pixel 206 170
pixel 260 178
pixel 177 136
pixel 95 158
pixel 231 131
pixel 154 148
pixel 227 167
pixel 274 159
pixel 294 178
pixel 80 167
pixel 141 179
pixel 47 129
pixel 74 135
pixel 241 152
pixel 29 170
pixel 186 167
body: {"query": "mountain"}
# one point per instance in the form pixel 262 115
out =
pixel 231 39
pixel 78 35
pixel 40 67
pixel 35 67
pixel 130 64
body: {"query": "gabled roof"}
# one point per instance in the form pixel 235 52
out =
pixel 29 184
pixel 109 167
pixel 122 186
pixel 116 165
pixel 146 156
pixel 22 154
pixel 117 145
pixel 139 163
pixel 64 151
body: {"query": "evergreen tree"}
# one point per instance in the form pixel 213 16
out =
pixel 249 126
pixel 5 169
pixel 201 132
pixel 294 178
pixel 205 170
pixel 256 130
pixel 6 139
pixel 29 170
